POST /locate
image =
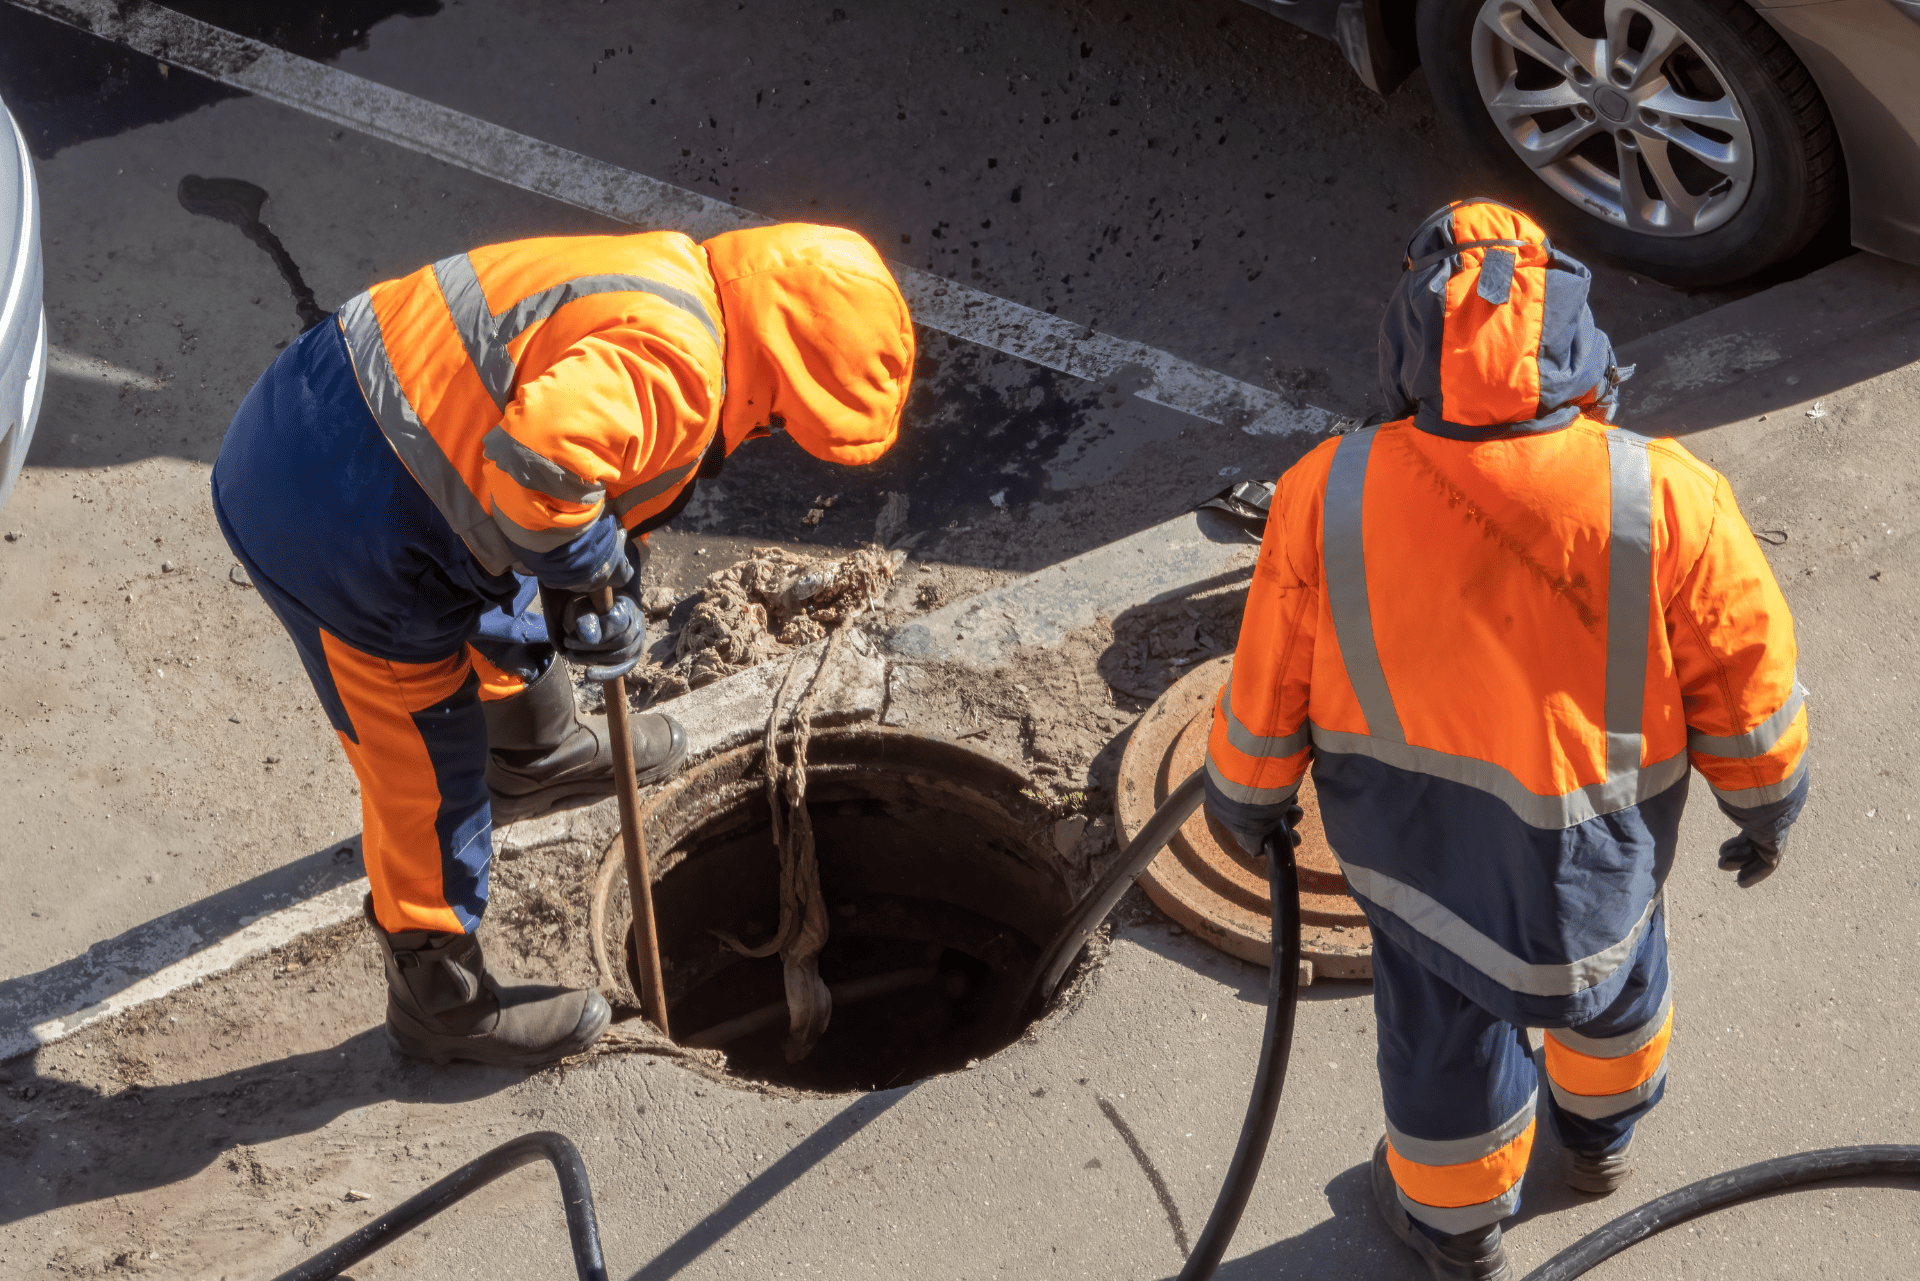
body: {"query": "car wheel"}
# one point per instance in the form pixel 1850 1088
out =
pixel 1679 137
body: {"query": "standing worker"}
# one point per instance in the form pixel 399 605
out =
pixel 408 475
pixel 1501 630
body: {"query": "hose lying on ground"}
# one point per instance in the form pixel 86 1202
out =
pixel 576 1195
pixel 1723 1190
pixel 1283 996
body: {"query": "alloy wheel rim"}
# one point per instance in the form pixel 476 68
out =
pixel 1617 109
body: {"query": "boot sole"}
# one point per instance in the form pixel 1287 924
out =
pixel 442 1051
pixel 1598 1183
pixel 515 809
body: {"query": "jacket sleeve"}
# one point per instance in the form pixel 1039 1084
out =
pixel 612 407
pixel 1733 648
pixel 1260 744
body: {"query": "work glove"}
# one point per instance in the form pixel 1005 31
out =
pixel 607 644
pixel 1249 838
pixel 1754 858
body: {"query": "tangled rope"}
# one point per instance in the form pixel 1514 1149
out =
pixel 803 910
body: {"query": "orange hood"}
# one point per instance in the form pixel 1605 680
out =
pixel 818 336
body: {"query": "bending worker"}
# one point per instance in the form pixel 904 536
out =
pixel 1500 630
pixel 406 478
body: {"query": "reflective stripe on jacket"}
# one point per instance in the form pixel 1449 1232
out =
pixel 531 386
pixel 1501 656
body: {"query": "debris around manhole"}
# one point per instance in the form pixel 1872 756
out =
pixel 818 512
pixel 763 608
pixel 1155 645
pixel 891 523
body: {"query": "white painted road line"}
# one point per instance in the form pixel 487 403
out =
pixel 62 363
pixel 339 904
pixel 594 185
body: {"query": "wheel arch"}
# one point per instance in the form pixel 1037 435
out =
pixel 1393 53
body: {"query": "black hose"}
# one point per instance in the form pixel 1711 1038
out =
pixel 583 1230
pixel 1721 1191
pixel 1283 997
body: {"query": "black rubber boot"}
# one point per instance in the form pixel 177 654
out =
pixel 542 756
pixel 1600 1174
pixel 442 1004
pixel 1470 1256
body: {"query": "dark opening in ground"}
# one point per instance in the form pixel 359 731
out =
pixel 941 884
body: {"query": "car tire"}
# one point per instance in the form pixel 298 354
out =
pixel 1763 202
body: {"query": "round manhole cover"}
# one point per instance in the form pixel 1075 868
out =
pixel 1202 879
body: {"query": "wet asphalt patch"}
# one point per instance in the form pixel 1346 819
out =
pixel 235 201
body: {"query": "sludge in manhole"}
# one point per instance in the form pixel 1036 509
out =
pixel 941 883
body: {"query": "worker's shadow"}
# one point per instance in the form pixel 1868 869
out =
pixel 1353 1243
pixel 73 1144
pixel 1156 643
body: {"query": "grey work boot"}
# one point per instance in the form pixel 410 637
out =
pixel 1602 1173
pixel 542 756
pixel 442 1004
pixel 1470 1256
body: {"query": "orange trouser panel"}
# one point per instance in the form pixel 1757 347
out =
pixel 1470 1182
pixel 495 684
pixel 399 790
pixel 1585 1074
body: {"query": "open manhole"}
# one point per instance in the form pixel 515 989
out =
pixel 941 883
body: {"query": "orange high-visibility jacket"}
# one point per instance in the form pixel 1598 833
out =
pixel 1500 649
pixel 534 386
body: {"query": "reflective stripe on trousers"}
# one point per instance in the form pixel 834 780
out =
pixel 1459 1089
pixel 1598 1078
pixel 1627 783
pixel 1458 1185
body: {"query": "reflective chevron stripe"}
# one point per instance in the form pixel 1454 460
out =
pixel 487 333
pixel 1252 744
pixel 414 444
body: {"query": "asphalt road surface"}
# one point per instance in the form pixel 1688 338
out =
pixel 1200 178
